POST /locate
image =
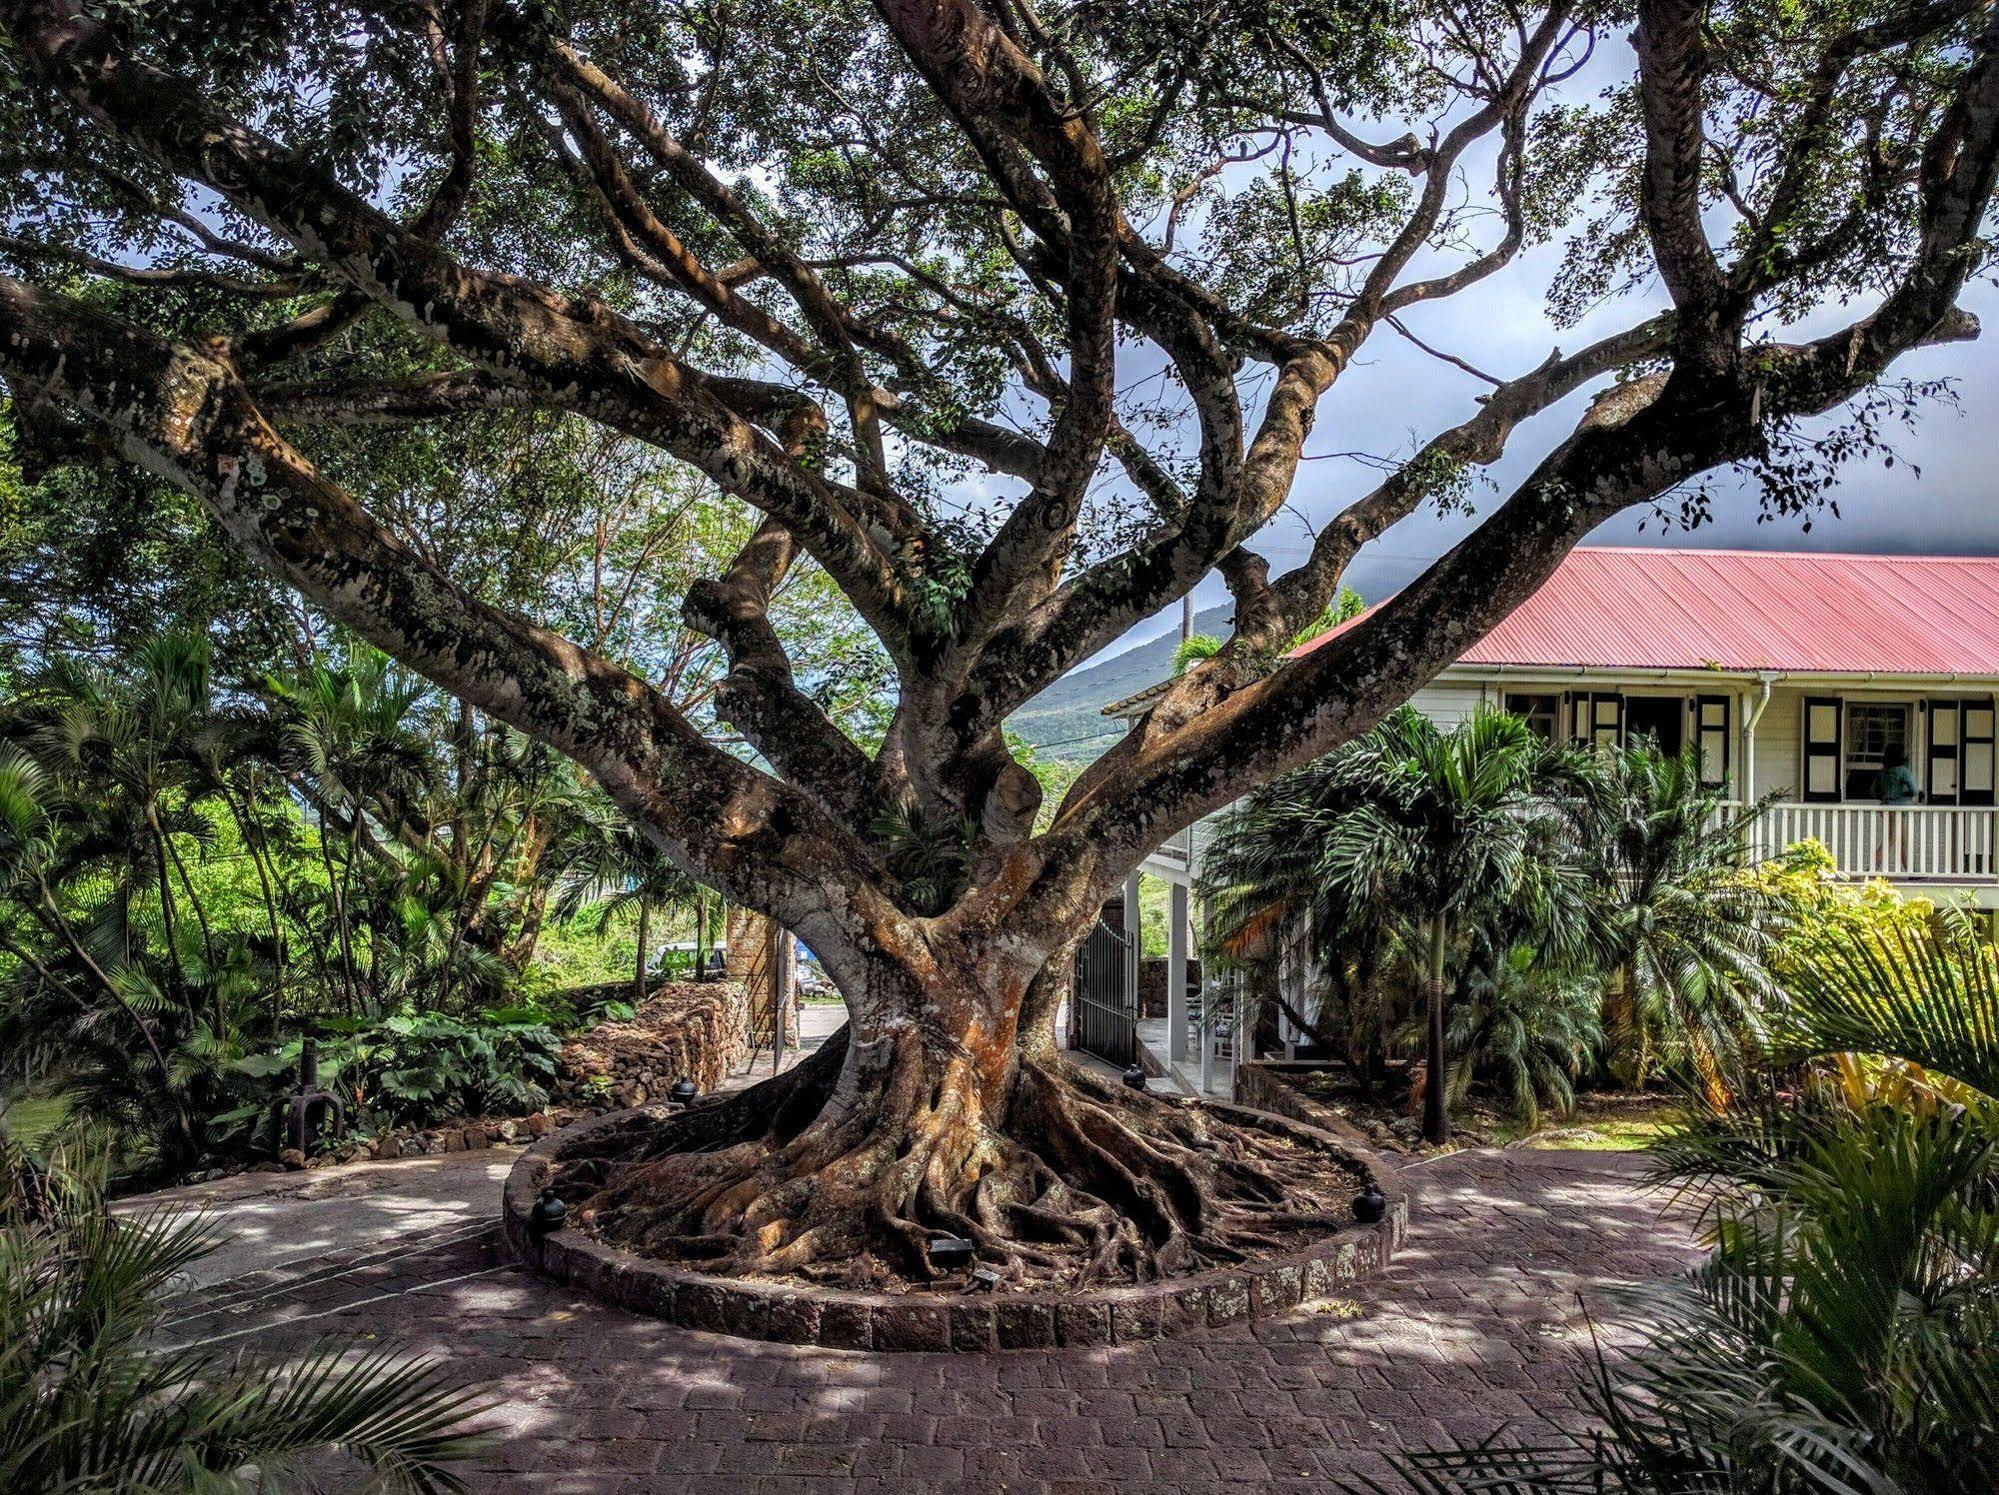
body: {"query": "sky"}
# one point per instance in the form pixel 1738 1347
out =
pixel 1938 498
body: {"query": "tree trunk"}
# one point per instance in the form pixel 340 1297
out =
pixel 339 918
pixel 645 944
pixel 950 1113
pixel 253 847
pixel 177 980
pixel 1436 1112
pixel 1627 1040
pixel 700 936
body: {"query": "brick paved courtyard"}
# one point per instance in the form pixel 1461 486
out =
pixel 1477 1325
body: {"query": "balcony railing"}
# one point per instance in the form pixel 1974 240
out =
pixel 1920 843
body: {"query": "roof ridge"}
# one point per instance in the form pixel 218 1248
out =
pixel 1923 557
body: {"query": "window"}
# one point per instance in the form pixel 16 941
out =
pixel 1711 739
pixel 1959 765
pixel 1658 721
pixel 1598 720
pixel 1978 737
pixel 1821 742
pixel 1876 731
pixel 1543 714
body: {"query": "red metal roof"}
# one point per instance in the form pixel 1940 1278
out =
pixel 1745 610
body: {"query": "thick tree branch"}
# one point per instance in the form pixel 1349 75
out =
pixel 1095 608
pixel 370 402
pixel 759 697
pixel 1157 778
pixel 182 415
pixel 517 330
pixel 995 90
pixel 1767 254
pixel 1672 65
pixel 1303 593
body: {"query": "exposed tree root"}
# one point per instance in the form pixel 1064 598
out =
pixel 1078 1182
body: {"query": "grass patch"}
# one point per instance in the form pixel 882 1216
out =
pixel 1608 1123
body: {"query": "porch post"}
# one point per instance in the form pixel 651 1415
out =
pixel 1133 933
pixel 1749 720
pixel 1176 974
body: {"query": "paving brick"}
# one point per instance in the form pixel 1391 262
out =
pixel 1470 1331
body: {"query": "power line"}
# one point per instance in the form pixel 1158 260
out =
pixel 1086 737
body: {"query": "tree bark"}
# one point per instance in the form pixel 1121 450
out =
pixel 645 941
pixel 177 979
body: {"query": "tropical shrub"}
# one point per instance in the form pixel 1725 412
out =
pixel 1408 851
pixel 94 1406
pixel 409 1070
pixel 1824 912
pixel 195 871
pixel 1526 1025
pixel 1686 937
pixel 1843 1336
pixel 1194 648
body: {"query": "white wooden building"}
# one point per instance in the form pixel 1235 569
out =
pixel 1795 675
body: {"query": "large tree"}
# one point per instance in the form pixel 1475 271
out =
pixel 900 278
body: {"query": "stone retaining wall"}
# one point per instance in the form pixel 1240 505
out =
pixel 1152 972
pixel 1266 1084
pixel 797 1313
pixel 696 1029
pixel 1260 1085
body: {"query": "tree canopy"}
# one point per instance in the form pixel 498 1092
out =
pixel 869 270
pixel 1013 321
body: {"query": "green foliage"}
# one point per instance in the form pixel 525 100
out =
pixel 192 874
pixel 1688 935
pixel 1566 882
pixel 413 1069
pixel 1193 649
pixel 930 857
pixel 93 1405
pixel 1844 1334
pixel 1826 910
pixel 1419 856
pixel 1528 1025
pixel 1347 604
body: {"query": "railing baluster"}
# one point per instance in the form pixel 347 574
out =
pixel 1924 843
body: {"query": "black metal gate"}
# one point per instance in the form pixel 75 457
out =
pixel 1105 1018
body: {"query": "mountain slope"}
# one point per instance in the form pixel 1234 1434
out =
pixel 1063 723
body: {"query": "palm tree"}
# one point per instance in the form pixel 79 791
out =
pixel 613 867
pixel 1448 828
pixel 1262 876
pixel 28 855
pixel 354 751
pixel 1688 935
pixel 123 741
pixel 1413 830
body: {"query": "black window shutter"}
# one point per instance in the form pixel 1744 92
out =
pixel 1823 767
